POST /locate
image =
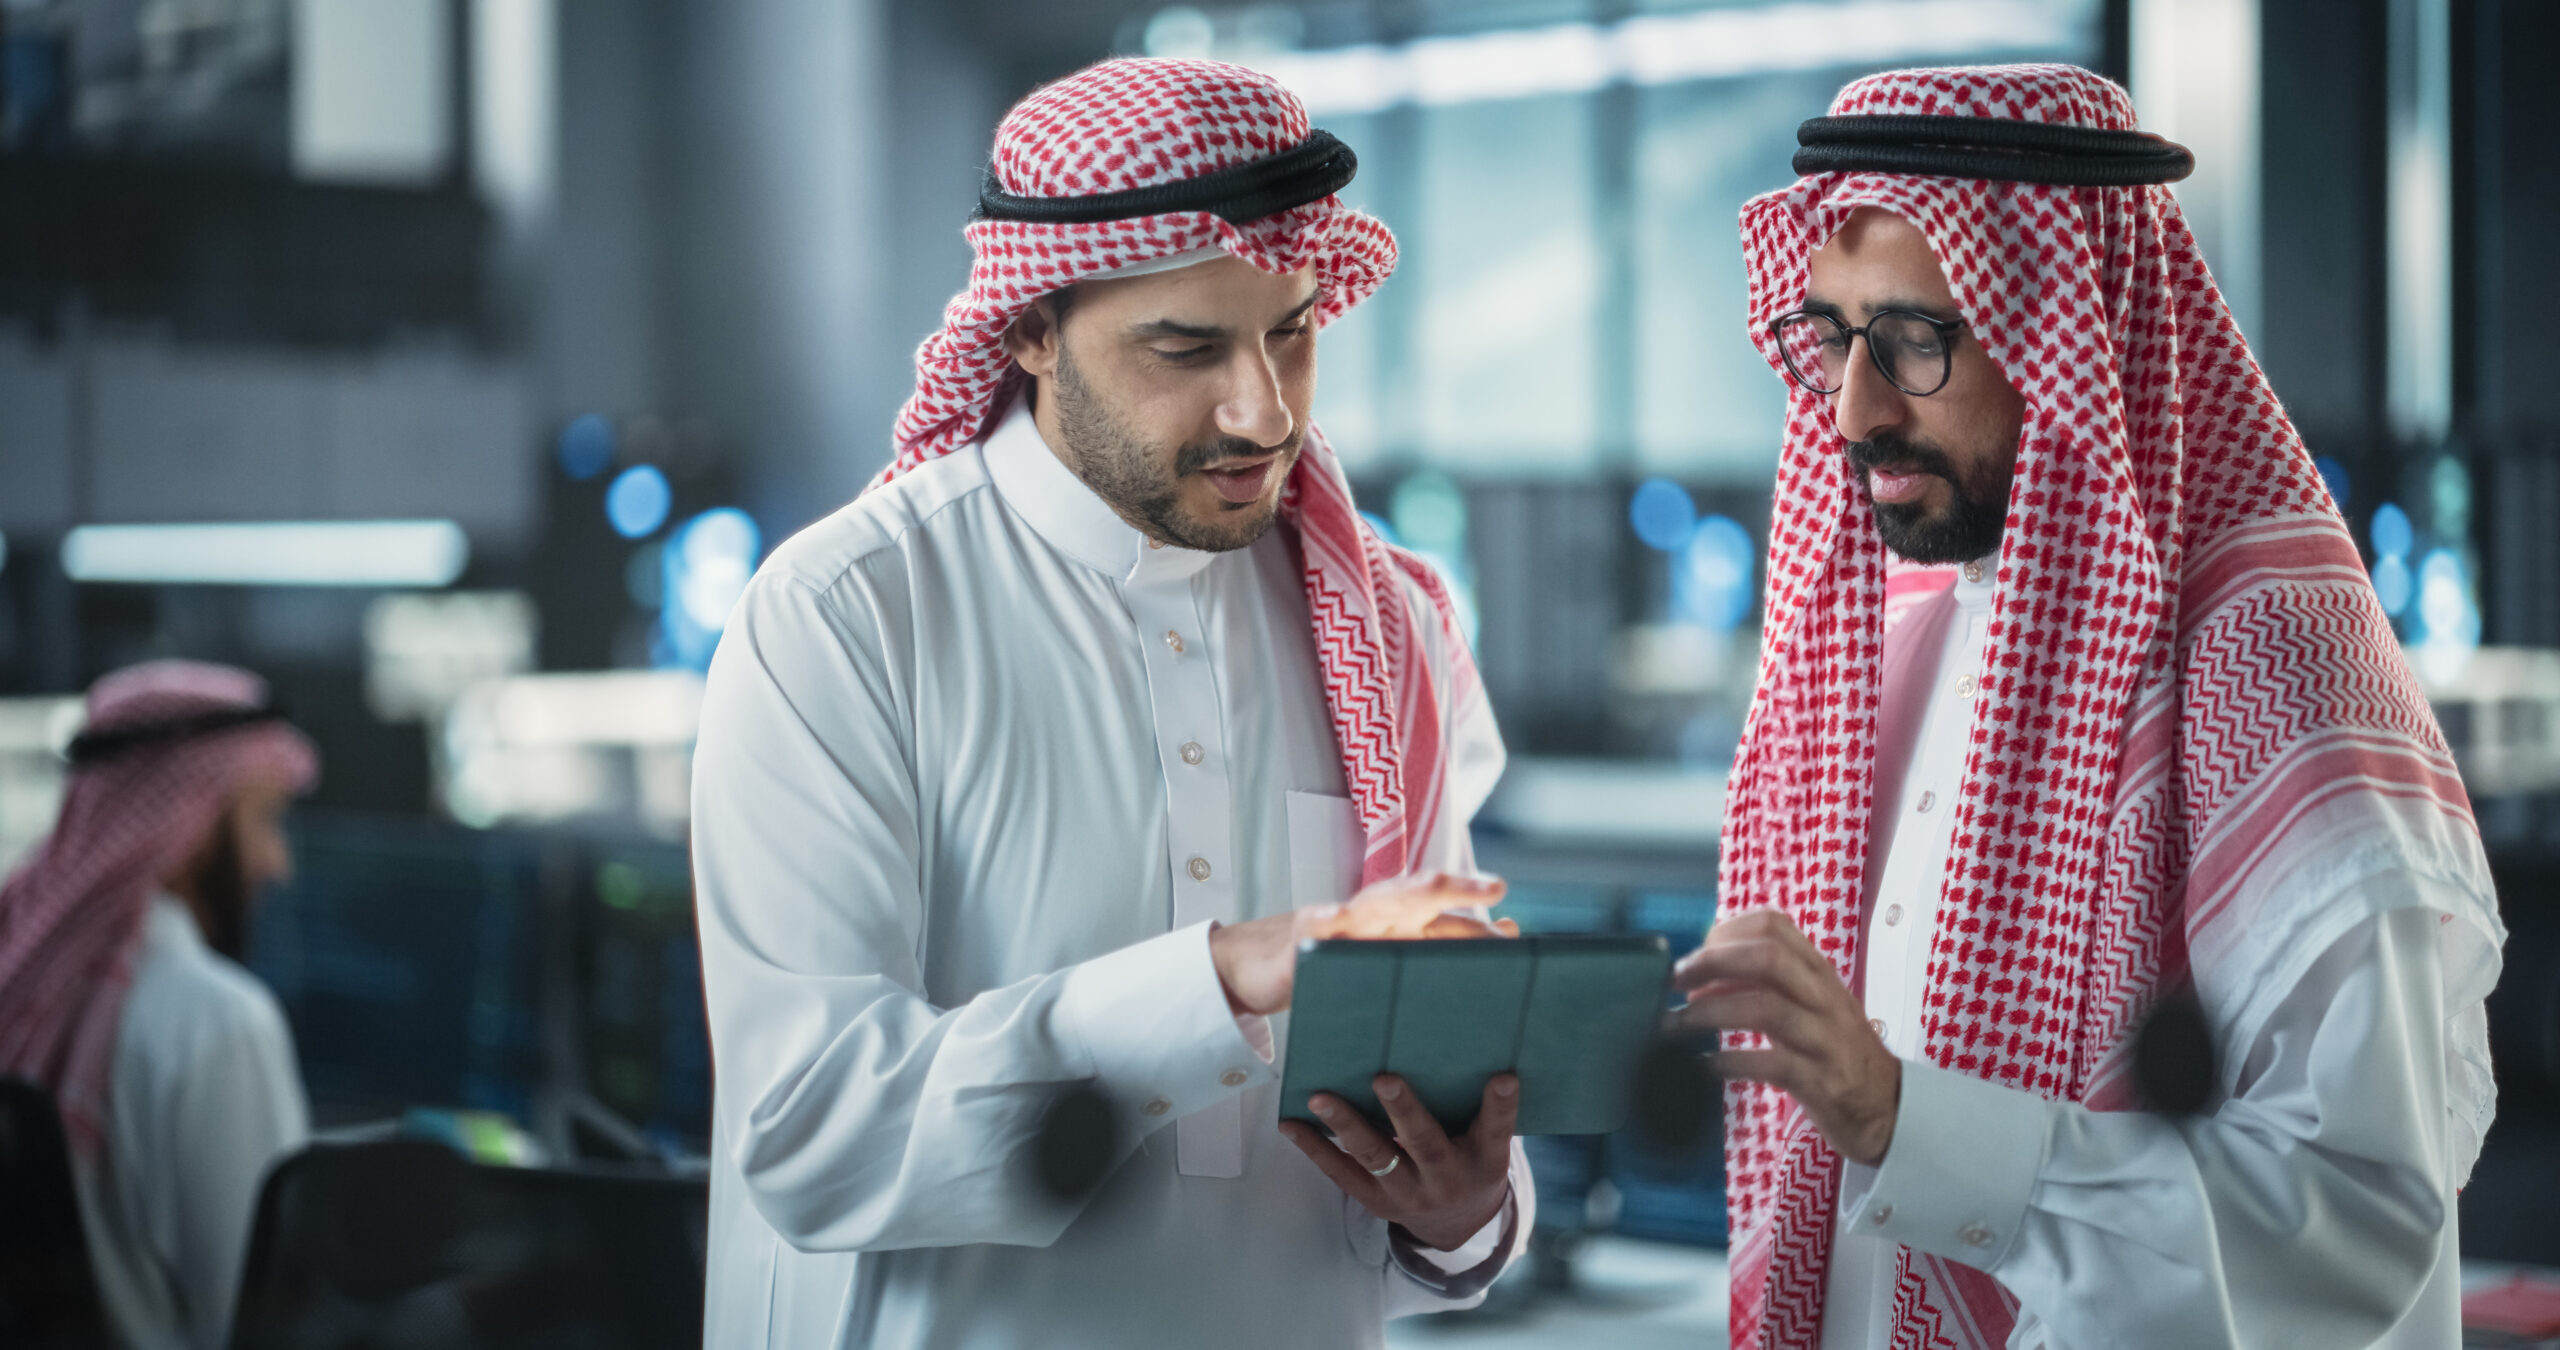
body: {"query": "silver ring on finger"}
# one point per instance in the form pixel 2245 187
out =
pixel 1393 1163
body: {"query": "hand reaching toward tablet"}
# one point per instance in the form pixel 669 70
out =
pixel 1257 961
pixel 1439 1189
pixel 1758 973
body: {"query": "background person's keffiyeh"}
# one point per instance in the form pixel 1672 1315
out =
pixel 1131 124
pixel 2195 727
pixel 70 917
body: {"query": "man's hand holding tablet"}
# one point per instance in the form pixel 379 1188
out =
pixel 1438 1189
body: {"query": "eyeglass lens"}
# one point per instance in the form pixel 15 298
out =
pixel 1906 348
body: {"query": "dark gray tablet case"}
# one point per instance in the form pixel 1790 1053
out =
pixel 1572 1015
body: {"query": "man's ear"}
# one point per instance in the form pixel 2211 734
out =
pixel 1033 340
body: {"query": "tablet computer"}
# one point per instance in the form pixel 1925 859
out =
pixel 1572 1015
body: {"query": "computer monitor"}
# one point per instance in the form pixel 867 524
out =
pixel 407 954
pixel 644 1041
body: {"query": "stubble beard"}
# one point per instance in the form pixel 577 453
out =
pixel 1127 473
pixel 1970 525
pixel 223 894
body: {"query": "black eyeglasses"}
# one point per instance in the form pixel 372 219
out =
pixel 1914 351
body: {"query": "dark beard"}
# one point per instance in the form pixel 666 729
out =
pixel 1968 529
pixel 222 895
pixel 1122 470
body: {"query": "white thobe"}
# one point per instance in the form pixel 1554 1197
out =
pixel 978 769
pixel 202 1099
pixel 2313 1208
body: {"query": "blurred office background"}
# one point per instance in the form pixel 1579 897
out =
pixel 453 362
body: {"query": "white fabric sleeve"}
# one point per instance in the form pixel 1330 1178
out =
pixel 1422 1280
pixel 2308 1209
pixel 860 1115
pixel 1465 1256
pixel 240 1110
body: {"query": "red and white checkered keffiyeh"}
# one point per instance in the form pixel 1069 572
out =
pixel 1138 123
pixel 71 916
pixel 2195 728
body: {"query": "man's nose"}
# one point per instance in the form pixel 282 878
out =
pixel 1867 402
pixel 1254 407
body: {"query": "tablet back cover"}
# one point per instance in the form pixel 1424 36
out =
pixel 1571 1014
pixel 1591 1013
pixel 1339 1015
pixel 1457 1022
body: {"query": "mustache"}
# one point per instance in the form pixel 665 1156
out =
pixel 1210 454
pixel 1892 447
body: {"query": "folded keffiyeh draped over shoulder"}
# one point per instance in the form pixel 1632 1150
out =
pixel 164 749
pixel 1135 166
pixel 2195 729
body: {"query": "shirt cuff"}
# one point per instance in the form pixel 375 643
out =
pixel 1963 1164
pixel 1257 1032
pixel 1154 1023
pixel 1466 1270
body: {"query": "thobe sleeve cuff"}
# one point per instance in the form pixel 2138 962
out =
pixel 1154 1022
pixel 1257 1033
pixel 1469 1268
pixel 1963 1164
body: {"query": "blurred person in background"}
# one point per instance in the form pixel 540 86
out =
pixel 1031 767
pixel 122 993
pixel 2157 742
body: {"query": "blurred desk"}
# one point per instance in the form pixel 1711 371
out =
pixel 1628 1294
pixel 1641 804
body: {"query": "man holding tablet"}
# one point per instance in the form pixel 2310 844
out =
pixel 1031 768
pixel 2157 738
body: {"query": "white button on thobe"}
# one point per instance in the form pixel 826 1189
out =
pixel 978 769
pixel 2310 1209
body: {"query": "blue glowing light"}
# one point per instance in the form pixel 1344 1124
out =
pixel 2444 591
pixel 2334 475
pixel 1386 529
pixel 1427 513
pixel 717 552
pixel 637 502
pixel 1430 513
pixel 1662 513
pixel 586 446
pixel 2448 619
pixel 644 577
pixel 707 563
pixel 2392 585
pixel 1711 576
pixel 2449 493
pixel 2390 532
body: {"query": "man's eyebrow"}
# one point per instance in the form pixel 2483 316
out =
pixel 1175 328
pixel 1169 328
pixel 1942 313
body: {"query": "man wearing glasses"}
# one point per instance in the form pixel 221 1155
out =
pixel 2157 742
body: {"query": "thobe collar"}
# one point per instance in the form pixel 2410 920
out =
pixel 170 915
pixel 1976 583
pixel 1062 510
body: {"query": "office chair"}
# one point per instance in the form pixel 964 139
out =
pixel 403 1242
pixel 48 1294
